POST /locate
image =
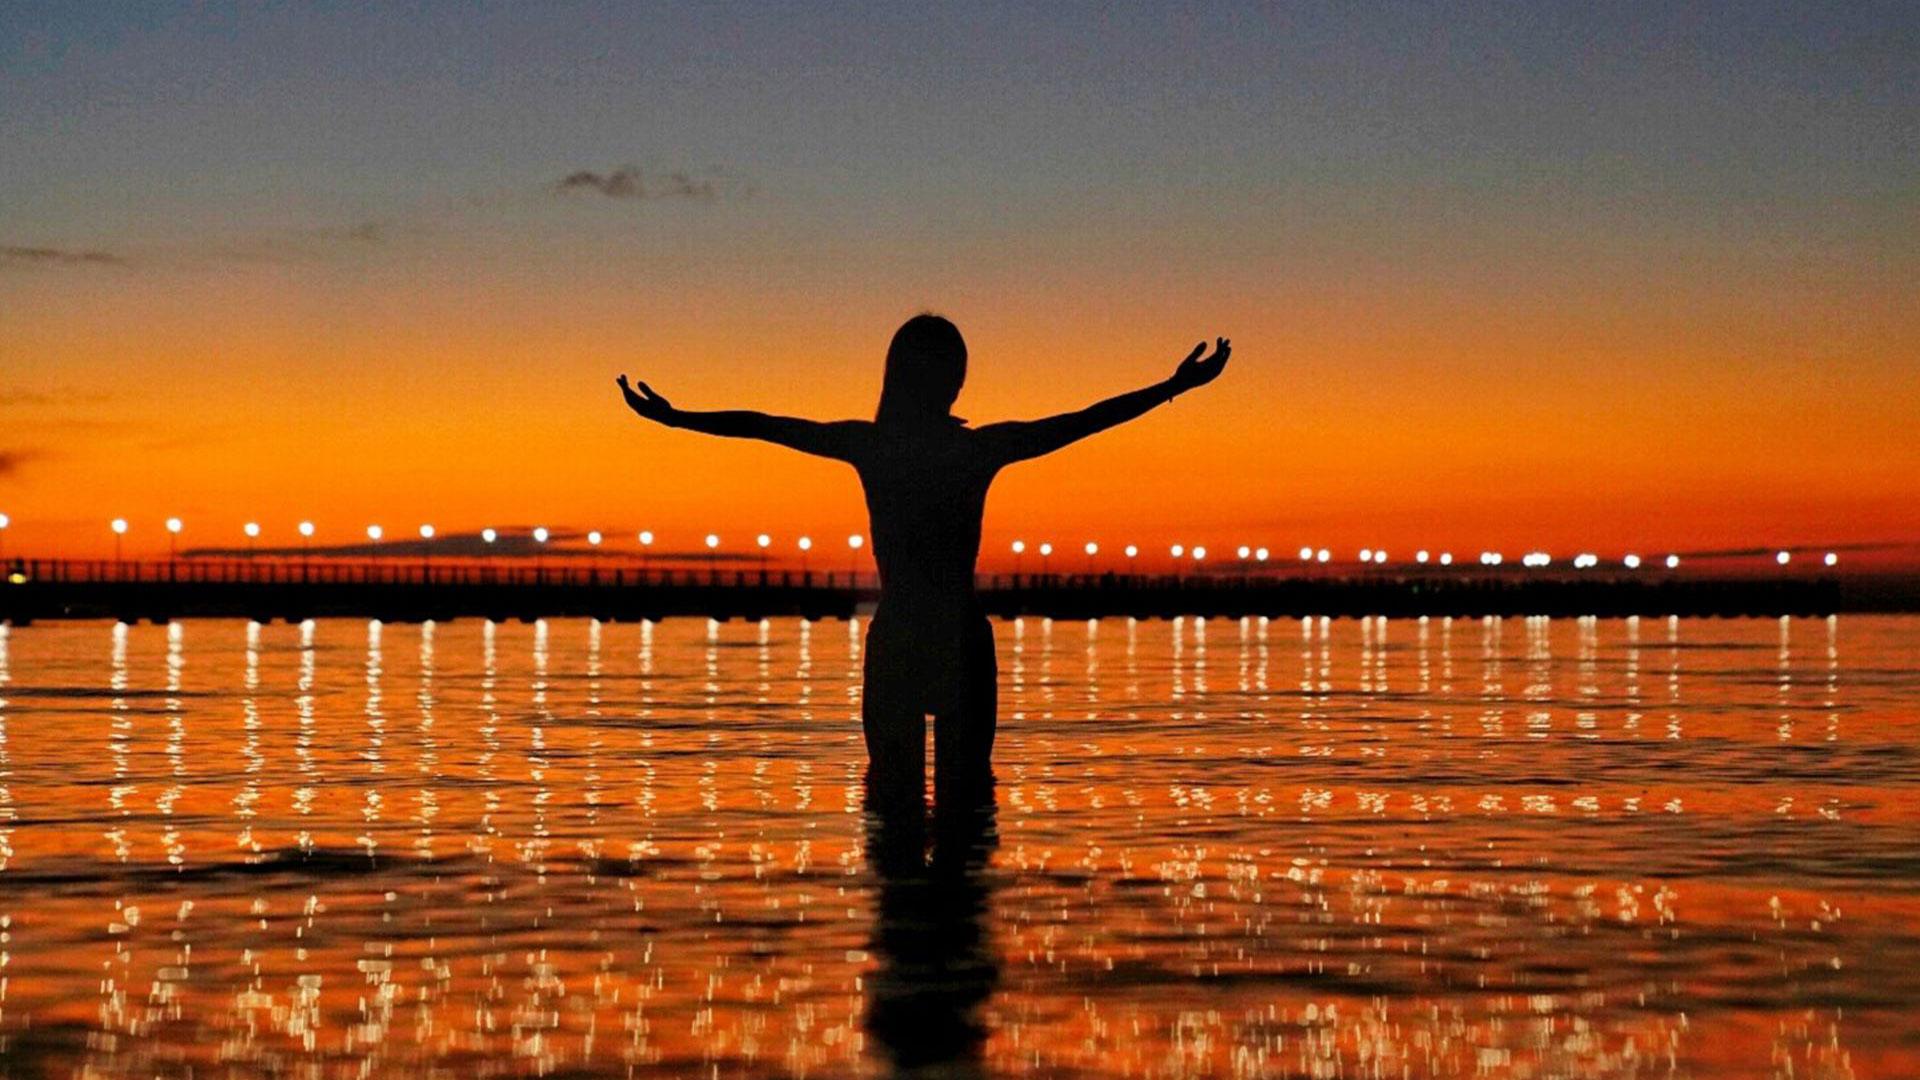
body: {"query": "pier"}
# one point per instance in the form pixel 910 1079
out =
pixel 414 591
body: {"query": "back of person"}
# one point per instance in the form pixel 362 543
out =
pixel 926 491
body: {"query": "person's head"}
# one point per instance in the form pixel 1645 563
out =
pixel 926 364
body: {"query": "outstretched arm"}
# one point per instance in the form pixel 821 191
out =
pixel 1018 440
pixel 834 440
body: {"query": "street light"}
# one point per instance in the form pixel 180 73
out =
pixel 1420 556
pixel 1673 562
pixel 252 529
pixel 1446 558
pixel 1306 554
pixel 1176 551
pixel 119 527
pixel 174 525
pixel 594 537
pixel 1831 559
pixel 4 522
pixel 1783 558
pixel 1046 552
pixel 1199 554
pixel 805 544
pixel 854 543
pixel 646 547
pixel 1019 549
pixel 1260 554
pixel 1632 562
pixel 763 541
pixel 1133 552
pixel 489 535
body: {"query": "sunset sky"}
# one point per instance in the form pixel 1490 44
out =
pixel 1521 276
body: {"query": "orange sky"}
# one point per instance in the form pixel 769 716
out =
pixel 1492 342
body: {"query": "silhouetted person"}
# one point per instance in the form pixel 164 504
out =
pixel 926 473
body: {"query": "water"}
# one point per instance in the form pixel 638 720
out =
pixel 1508 848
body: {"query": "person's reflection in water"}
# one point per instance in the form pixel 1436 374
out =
pixel 926 474
pixel 936 962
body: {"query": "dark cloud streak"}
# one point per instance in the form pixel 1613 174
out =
pixel 24 255
pixel 628 184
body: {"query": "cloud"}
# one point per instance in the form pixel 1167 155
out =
pixel 627 183
pixel 59 396
pixel 11 460
pixel 363 232
pixel 20 255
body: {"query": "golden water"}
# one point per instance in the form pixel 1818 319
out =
pixel 1505 848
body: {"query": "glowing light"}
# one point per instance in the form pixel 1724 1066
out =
pixel 1132 550
pixel 5 521
pixel 713 541
pixel 251 528
pixel 1323 555
pixel 594 537
pixel 856 542
pixel 1538 558
pixel 1176 551
pixel 375 532
pixel 1673 562
pixel 426 532
pixel 1783 558
pixel 763 540
pixel 540 534
pixel 1366 554
pixel 1446 558
pixel 118 525
pixel 1306 554
pixel 1019 546
pixel 174 525
pixel 1093 548
pixel 1380 556
pixel 806 543
pixel 306 529
pixel 1632 562
pixel 1046 549
pixel 1585 559
pixel 646 538
pixel 1420 556
pixel 1199 553
pixel 1260 554
pixel 1831 559
pixel 1244 551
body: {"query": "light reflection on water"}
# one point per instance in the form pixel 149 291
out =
pixel 1501 847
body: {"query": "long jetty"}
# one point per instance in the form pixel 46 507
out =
pixel 415 591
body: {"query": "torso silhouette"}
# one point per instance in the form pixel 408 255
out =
pixel 926 489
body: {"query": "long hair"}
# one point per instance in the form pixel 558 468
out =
pixel 926 364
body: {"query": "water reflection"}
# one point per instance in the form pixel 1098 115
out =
pixel 1501 847
pixel 936 965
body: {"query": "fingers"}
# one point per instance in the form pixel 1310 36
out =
pixel 1195 354
pixel 647 390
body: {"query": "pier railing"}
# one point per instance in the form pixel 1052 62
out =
pixel 416 589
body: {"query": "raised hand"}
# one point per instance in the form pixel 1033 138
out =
pixel 1196 371
pixel 645 402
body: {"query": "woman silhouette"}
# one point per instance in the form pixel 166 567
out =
pixel 925 474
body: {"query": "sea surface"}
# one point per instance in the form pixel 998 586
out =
pixel 1351 848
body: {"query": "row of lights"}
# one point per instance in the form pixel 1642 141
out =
pixel 540 534
pixel 1582 561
